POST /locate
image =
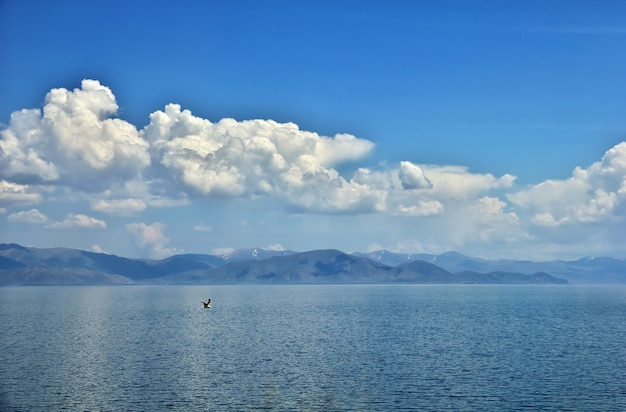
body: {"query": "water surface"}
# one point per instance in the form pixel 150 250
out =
pixel 383 347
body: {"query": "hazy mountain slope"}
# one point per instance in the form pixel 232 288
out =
pixel 7 263
pixel 320 266
pixel 583 271
pixel 422 272
pixel 507 278
pixel 243 255
pixel 38 276
pixel 32 266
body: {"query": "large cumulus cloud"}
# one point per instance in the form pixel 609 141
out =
pixel 258 157
pixel 75 141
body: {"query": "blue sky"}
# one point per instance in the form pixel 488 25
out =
pixel 491 128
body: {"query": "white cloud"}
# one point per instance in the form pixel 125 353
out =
pixel 82 128
pixel 75 141
pixel 275 247
pixel 314 190
pixel 493 223
pixel 546 219
pixel 427 190
pixel 422 208
pixel 151 238
pixel 78 143
pixel 258 157
pixel 75 150
pixel 407 246
pixel 97 249
pixel 134 196
pixel 80 221
pixel 23 146
pixel 591 195
pixel 12 194
pixel 412 177
pixel 124 207
pixel 202 228
pixel 456 182
pixel 32 216
pixel 342 148
pixel 222 251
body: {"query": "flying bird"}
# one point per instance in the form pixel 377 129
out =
pixel 207 304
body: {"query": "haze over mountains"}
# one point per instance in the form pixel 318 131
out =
pixel 21 265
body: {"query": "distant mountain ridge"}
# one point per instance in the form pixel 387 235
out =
pixel 21 265
pixel 600 270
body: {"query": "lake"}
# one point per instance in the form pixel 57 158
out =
pixel 325 348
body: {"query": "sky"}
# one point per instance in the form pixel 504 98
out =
pixel 147 129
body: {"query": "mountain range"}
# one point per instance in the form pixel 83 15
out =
pixel 20 266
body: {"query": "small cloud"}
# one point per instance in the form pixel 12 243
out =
pixel 413 177
pixel 275 247
pixel 78 220
pixel 422 208
pixel 546 219
pixel 374 247
pixel 16 194
pixel 97 249
pixel 32 216
pixel 122 207
pixel 151 238
pixel 202 228
pixel 222 251
pixel 407 246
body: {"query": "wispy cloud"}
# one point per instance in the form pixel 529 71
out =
pixel 98 249
pixel 222 251
pixel 32 216
pixel 202 228
pixel 124 207
pixel 80 221
pixel 276 247
pixel 14 194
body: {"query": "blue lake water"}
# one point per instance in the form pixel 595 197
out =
pixel 326 348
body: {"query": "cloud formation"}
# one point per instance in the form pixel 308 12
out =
pixel 257 157
pixel 122 207
pixel 76 149
pixel 32 216
pixel 412 176
pixel 591 195
pixel 75 141
pixel 200 227
pixel 151 238
pixel 78 220
pixel 14 194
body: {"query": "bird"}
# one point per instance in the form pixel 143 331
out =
pixel 207 304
